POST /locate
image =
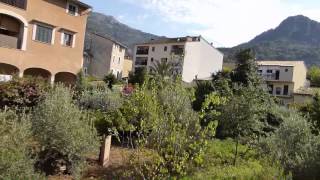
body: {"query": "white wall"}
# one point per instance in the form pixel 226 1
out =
pixel 201 60
pixel 117 54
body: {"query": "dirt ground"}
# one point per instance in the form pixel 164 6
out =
pixel 118 160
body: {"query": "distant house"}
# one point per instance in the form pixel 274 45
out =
pixel 286 80
pixel 102 56
pixel 127 66
pixel 194 57
pixel 42 38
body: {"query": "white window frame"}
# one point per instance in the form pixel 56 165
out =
pixel 77 9
pixel 63 32
pixel 34 33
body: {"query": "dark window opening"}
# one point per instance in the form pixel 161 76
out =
pixel 286 90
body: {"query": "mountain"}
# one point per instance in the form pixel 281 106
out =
pixel 110 27
pixel 296 38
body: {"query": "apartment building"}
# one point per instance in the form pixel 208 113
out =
pixel 285 79
pixel 102 56
pixel 42 38
pixel 193 57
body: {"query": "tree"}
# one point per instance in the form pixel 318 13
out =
pixel 163 121
pixel 242 116
pixel 314 113
pixel 246 71
pixel 314 75
pixel 16 161
pixel 110 80
pixel 294 145
pixel 138 77
pixel 64 133
pixel 162 68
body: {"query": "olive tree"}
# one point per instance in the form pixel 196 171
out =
pixel 64 132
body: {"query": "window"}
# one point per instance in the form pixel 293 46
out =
pixel 114 58
pixel 278 90
pixel 119 60
pixel 270 89
pixel 286 70
pixel 67 39
pixel 286 90
pixel 269 71
pixel 153 49
pixel 141 61
pixel 259 71
pixel 85 70
pixel 72 9
pixel 142 50
pixel 43 34
pixel 152 59
pixel 165 48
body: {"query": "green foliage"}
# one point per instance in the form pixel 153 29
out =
pixel 61 127
pixel 246 70
pixel 110 80
pixel 314 76
pixel 164 122
pixel 294 146
pixel 202 89
pixel 16 162
pixel 218 164
pixel 21 93
pixel 314 114
pixel 138 77
pixel 81 82
pixel 162 69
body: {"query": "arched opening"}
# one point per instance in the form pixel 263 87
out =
pixel 38 73
pixel 7 71
pixel 11 32
pixel 68 79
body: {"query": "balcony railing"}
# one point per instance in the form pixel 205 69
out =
pixel 22 4
pixel 272 76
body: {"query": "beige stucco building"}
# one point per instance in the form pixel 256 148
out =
pixel 127 67
pixel 103 55
pixel 194 57
pixel 285 79
pixel 42 38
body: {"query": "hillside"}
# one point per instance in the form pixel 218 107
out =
pixel 296 38
pixel 110 27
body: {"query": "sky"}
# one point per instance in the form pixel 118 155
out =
pixel 226 23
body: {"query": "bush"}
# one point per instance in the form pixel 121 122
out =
pixel 63 131
pixel 163 121
pixel 21 93
pixel 16 162
pixel 294 146
pixel 110 80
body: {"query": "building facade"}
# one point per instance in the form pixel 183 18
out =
pixel 284 79
pixel 127 66
pixel 194 57
pixel 42 38
pixel 102 56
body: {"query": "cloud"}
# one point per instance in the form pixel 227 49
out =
pixel 226 22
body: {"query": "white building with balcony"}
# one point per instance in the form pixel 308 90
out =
pixel 284 79
pixel 194 57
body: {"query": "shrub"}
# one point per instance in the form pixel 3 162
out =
pixel 294 145
pixel 21 93
pixel 63 131
pixel 15 147
pixel 110 80
pixel 163 121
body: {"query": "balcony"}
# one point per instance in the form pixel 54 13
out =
pixel 270 77
pixel 11 32
pixel 22 4
pixel 177 50
pixel 142 50
pixel 141 61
